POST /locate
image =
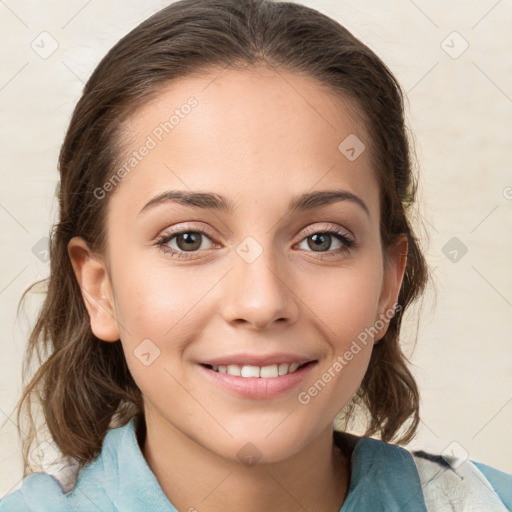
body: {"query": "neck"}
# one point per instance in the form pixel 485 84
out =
pixel 194 478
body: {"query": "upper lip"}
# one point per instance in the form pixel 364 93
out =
pixel 258 360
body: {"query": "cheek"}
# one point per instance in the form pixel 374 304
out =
pixel 158 310
pixel 346 309
pixel 345 301
pixel 346 314
pixel 153 299
pixel 155 313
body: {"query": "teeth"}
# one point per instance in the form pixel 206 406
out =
pixel 269 371
pixel 265 372
pixel 283 368
pixel 250 371
pixel 233 369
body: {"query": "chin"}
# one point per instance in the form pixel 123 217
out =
pixel 264 447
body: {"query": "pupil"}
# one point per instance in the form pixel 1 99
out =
pixel 192 241
pixel 321 241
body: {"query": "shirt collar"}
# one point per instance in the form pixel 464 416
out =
pixel 138 487
pixel 383 476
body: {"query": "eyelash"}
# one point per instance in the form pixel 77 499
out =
pixel 348 243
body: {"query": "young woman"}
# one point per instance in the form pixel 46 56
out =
pixel 229 272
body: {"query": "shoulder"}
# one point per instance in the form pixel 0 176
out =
pixel 448 480
pixel 39 487
pixel 45 491
pixel 384 474
pixel 70 487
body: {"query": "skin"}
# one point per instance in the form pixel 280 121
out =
pixel 257 137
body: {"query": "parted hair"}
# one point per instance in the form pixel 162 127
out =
pixel 82 384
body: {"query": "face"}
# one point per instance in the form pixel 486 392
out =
pixel 262 276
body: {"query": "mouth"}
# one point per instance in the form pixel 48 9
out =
pixel 249 381
pixel 262 372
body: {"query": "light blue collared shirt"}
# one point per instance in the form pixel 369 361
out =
pixel 383 477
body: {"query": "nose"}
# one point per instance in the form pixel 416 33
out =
pixel 259 293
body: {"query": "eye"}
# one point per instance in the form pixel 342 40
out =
pixel 181 242
pixel 322 241
pixel 184 243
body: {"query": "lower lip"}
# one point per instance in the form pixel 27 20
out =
pixel 257 387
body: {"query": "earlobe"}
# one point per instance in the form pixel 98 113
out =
pixel 394 271
pixel 93 279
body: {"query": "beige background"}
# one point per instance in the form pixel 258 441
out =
pixel 460 110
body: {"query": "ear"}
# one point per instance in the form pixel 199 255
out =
pixel 395 262
pixel 94 281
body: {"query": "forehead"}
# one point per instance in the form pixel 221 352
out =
pixel 252 134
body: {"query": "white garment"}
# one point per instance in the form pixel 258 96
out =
pixel 457 487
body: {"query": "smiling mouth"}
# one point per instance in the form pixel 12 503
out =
pixel 263 372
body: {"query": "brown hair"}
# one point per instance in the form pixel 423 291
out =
pixel 82 383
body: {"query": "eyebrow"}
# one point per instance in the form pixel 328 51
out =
pixel 208 200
